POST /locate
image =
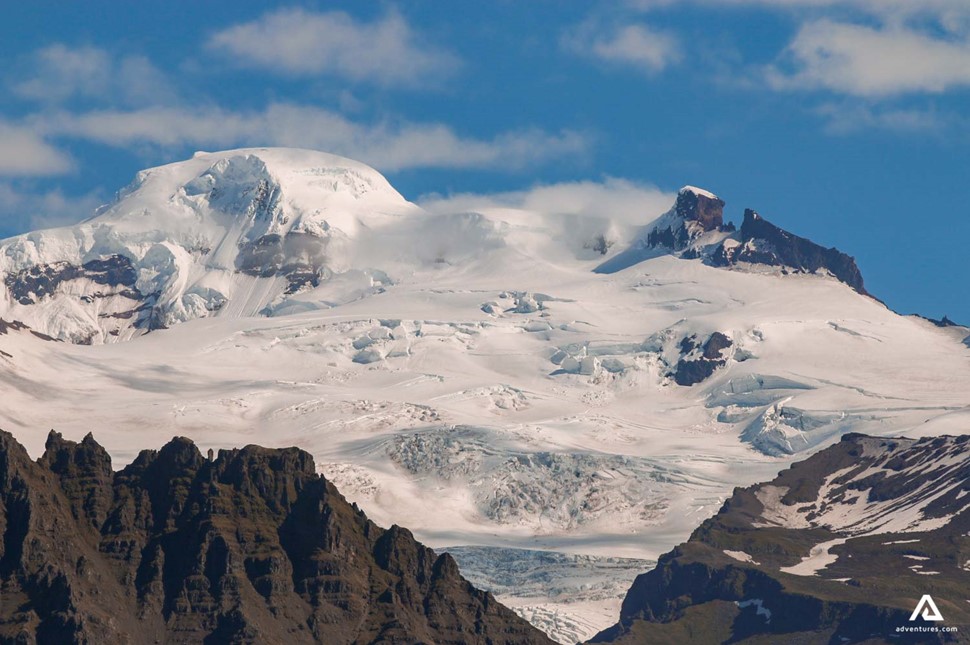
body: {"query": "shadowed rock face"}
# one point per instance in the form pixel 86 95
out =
pixel 694 214
pixel 696 207
pixel 840 548
pixel 700 361
pixel 33 284
pixel 683 231
pixel 251 547
pixel 115 273
pixel 761 242
pixel 15 325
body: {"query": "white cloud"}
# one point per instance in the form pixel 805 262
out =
pixel 387 146
pixel 874 62
pixel 57 73
pixel 620 200
pixel 953 14
pixel 298 42
pixel 867 48
pixel 23 152
pixel 28 210
pixel 635 45
pixel 847 118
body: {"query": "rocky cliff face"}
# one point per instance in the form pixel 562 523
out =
pixel 695 212
pixel 114 291
pixel 695 229
pixel 761 242
pixel 251 546
pixel 840 548
pixel 696 205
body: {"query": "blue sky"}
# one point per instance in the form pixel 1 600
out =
pixel 845 121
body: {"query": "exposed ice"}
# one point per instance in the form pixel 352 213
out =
pixel 759 604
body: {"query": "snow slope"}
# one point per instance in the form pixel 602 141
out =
pixel 466 375
pixel 226 233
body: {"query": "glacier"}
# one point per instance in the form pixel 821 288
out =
pixel 469 375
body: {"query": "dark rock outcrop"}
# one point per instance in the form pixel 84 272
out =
pixel 682 231
pixel 33 284
pixel 251 546
pixel 694 205
pixel 695 212
pixel 15 325
pixel 942 323
pixel 115 273
pixel 699 362
pixel 761 242
pixel 892 512
pixel 299 257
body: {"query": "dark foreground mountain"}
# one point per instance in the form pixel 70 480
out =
pixel 249 547
pixel 840 548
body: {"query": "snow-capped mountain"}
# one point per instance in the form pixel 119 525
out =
pixel 239 231
pixel 504 378
pixel 842 547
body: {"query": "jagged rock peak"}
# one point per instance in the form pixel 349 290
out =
pixel 252 547
pixel 699 205
pixel 761 242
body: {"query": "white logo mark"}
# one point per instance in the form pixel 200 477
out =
pixel 928 608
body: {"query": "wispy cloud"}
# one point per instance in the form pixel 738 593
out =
pixel 388 146
pixel 854 116
pixel 861 60
pixel 639 46
pixel 952 14
pixel 387 51
pixel 57 73
pixel 620 200
pixel 30 209
pixel 24 152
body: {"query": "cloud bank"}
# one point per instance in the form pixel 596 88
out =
pixel 387 51
pixel 620 200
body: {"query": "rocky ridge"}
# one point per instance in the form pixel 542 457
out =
pixel 761 242
pixel 247 546
pixel 839 548
pixel 695 212
pixel 695 229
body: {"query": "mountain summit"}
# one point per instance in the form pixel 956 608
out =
pixel 694 229
pixel 183 240
pixel 246 232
